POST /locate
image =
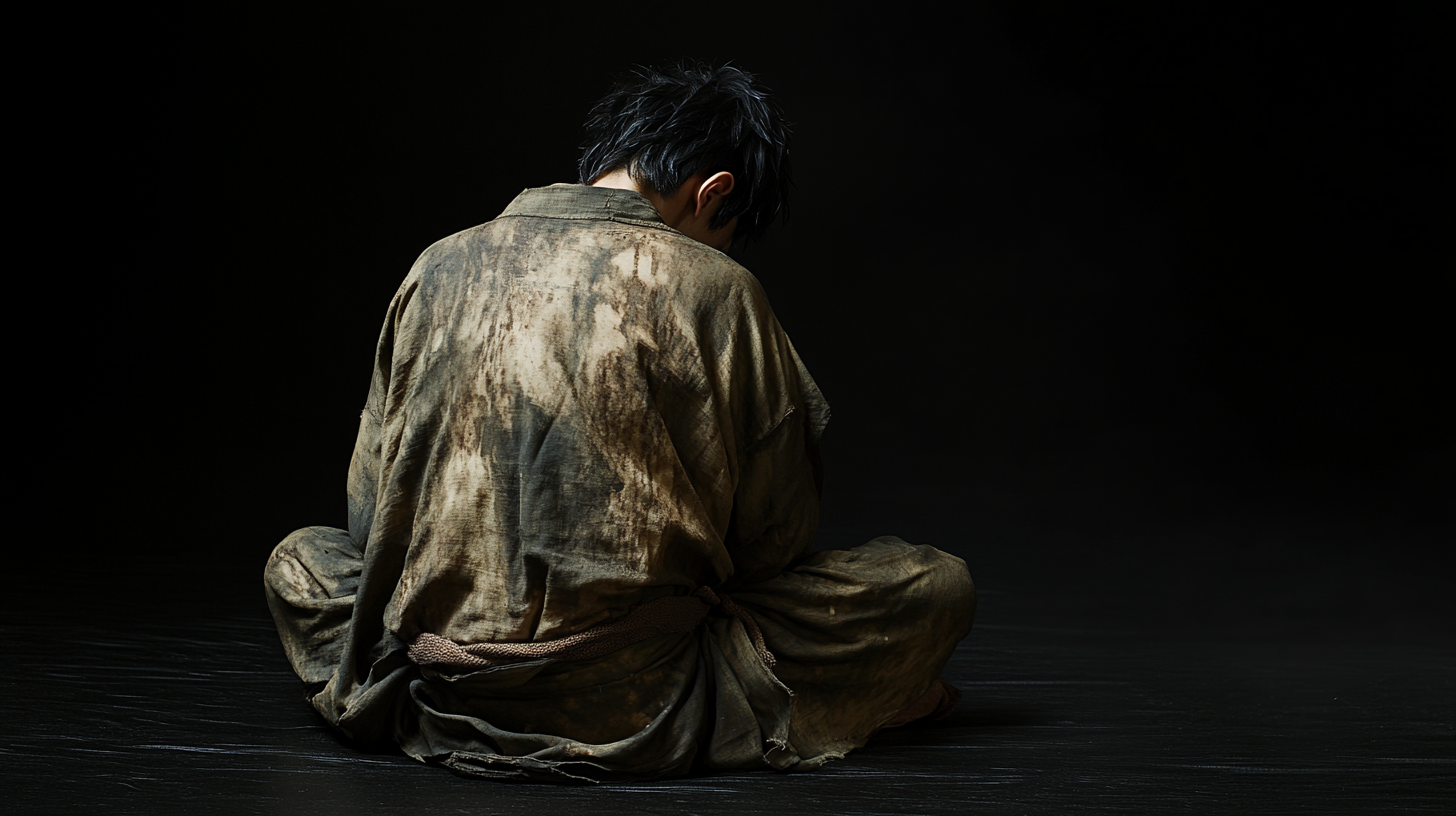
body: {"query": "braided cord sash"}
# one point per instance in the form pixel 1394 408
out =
pixel 672 615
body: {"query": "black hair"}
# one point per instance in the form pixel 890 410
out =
pixel 666 124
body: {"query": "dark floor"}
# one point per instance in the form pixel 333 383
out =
pixel 179 707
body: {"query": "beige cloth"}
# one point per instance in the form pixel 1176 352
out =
pixel 576 411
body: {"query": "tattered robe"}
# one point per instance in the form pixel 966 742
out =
pixel 576 410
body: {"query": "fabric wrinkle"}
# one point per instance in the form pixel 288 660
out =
pixel 582 508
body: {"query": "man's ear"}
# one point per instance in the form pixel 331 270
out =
pixel 712 192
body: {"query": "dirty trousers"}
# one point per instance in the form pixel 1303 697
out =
pixel 858 636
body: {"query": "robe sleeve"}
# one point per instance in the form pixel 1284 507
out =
pixel 780 473
pixel 367 462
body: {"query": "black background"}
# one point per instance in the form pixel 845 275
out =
pixel 1144 309
pixel 1150 302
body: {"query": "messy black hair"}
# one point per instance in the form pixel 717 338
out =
pixel 666 124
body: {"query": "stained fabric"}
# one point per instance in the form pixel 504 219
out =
pixel 673 614
pixel 576 411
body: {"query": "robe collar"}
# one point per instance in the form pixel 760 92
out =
pixel 578 201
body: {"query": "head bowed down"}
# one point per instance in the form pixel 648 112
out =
pixel 665 125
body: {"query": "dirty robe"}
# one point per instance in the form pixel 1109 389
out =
pixel 575 411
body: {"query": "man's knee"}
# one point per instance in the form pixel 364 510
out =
pixel 314 563
pixel 940 582
pixel 954 587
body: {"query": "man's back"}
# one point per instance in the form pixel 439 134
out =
pixel 583 498
pixel 557 428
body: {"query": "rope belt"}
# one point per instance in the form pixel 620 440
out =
pixel 672 615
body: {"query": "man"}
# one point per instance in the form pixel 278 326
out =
pixel 583 498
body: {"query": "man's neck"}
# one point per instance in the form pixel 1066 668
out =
pixel 690 209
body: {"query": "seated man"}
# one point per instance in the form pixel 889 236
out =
pixel 583 498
